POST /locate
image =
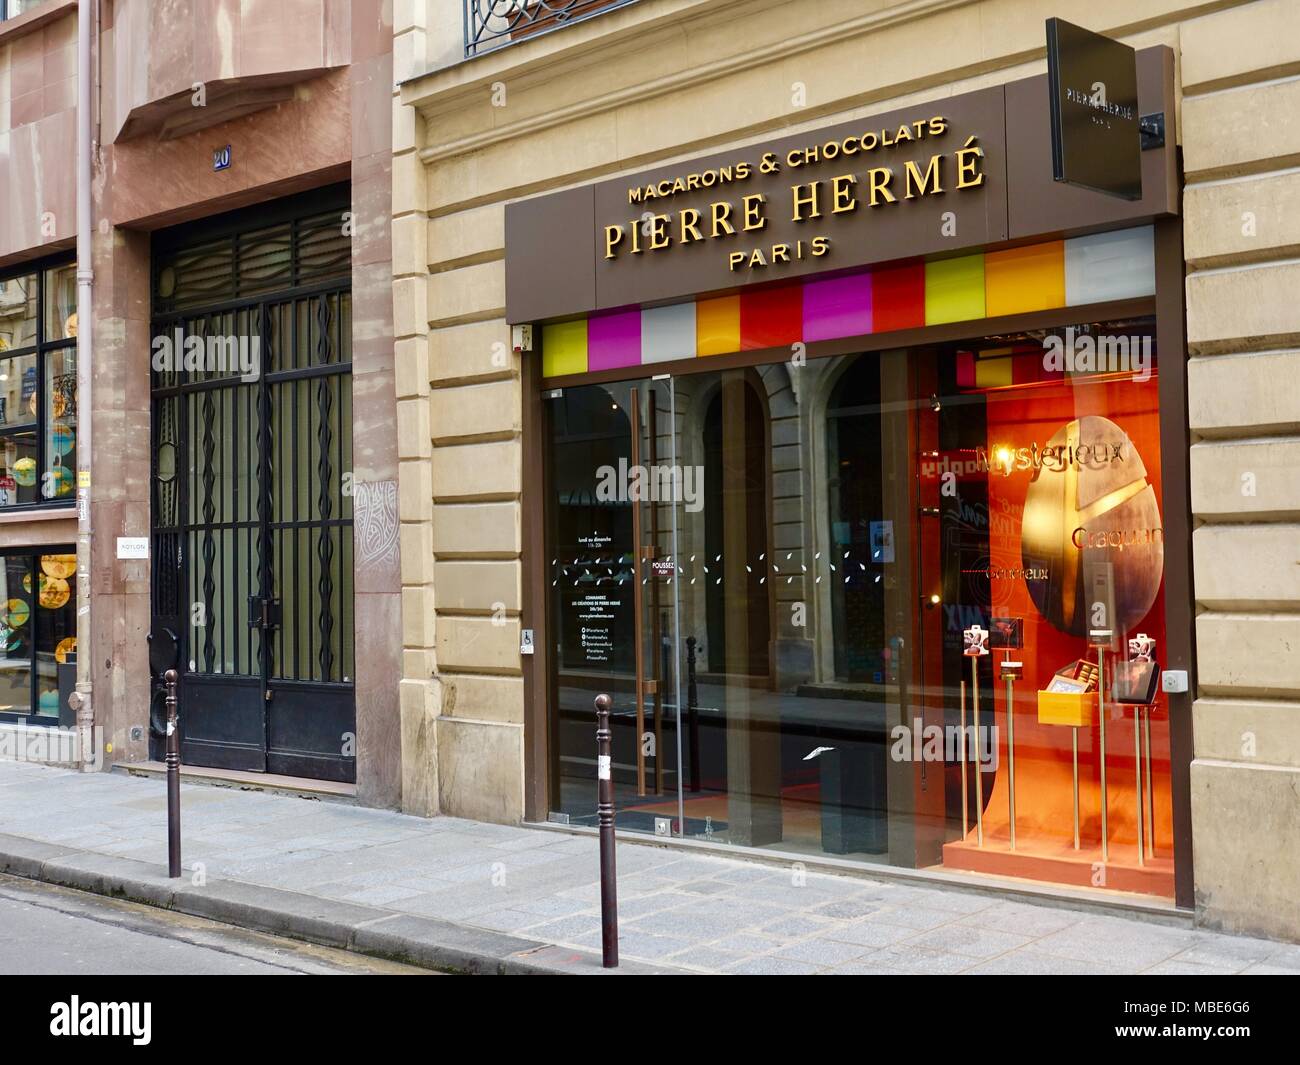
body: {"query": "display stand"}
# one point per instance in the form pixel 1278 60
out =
pixel 1139 789
pixel 1098 636
pixel 965 785
pixel 979 784
pixel 1146 712
pixel 1011 671
pixel 1074 741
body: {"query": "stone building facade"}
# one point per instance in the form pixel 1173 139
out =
pixel 652 83
pixel 201 110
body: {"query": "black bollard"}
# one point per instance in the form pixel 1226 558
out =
pixel 173 760
pixel 605 819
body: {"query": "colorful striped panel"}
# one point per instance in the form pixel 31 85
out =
pixel 614 340
pixel 771 317
pixel 1110 266
pixel 898 297
pixel 1019 280
pixel 954 289
pixel 668 333
pixel 717 326
pixel 564 348
pixel 911 294
pixel 839 307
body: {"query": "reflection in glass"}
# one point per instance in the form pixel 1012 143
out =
pixel 60 424
pixel 15 634
pixel 17 313
pixel 56 627
pixel 853 522
pixel 61 303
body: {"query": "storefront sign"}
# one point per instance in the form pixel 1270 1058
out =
pixel 1092 86
pixel 930 181
pixel 923 180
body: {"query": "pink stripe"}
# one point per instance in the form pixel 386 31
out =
pixel 839 307
pixel 614 340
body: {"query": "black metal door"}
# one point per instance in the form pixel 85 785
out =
pixel 252 512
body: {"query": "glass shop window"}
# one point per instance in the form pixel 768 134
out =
pixel 38 393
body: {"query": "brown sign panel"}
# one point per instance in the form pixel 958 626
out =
pixel 949 176
pixel 548 259
pixel 914 182
pixel 919 181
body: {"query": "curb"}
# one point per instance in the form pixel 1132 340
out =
pixel 423 941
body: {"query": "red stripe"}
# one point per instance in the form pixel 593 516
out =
pixel 898 297
pixel 771 318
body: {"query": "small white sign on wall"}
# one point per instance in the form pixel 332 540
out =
pixel 133 547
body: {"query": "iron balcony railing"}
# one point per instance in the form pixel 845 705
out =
pixel 491 24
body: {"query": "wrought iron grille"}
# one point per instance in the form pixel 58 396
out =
pixel 493 24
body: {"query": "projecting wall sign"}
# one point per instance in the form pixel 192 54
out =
pixel 1093 100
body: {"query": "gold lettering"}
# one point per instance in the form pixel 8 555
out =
pixel 735 259
pixel 938 125
pixel 659 238
pixel 879 178
pixel 968 158
pixel 634 195
pixel 753 206
pixel 820 246
pixel 613 238
pixel 780 253
pixel 805 196
pixel 690 226
pixel 851 145
pixel 721 213
pixel 915 177
pixel 636 236
pixel 842 195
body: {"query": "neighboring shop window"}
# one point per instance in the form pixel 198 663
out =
pixel 38 393
pixel 37 630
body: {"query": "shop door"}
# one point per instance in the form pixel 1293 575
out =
pixel 660 518
pixel 614 571
pixel 252 523
pixel 709 595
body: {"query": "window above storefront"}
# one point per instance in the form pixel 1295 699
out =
pixel 10 9
pixel 38 386
pixel 491 24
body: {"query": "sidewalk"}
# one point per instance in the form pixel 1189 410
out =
pixel 476 897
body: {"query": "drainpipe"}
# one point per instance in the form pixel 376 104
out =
pixel 85 317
